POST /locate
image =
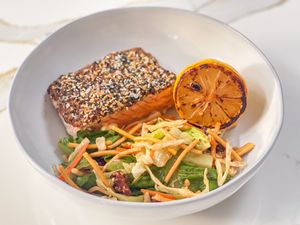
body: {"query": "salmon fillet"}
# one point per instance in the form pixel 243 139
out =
pixel 122 87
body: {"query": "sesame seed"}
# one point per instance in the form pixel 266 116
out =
pixel 109 85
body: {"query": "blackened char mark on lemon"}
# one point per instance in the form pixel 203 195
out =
pixel 243 90
pixel 234 77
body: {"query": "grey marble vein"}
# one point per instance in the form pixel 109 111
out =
pixel 230 11
pixel 5 80
pixel 12 33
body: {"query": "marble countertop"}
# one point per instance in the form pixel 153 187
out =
pixel 271 197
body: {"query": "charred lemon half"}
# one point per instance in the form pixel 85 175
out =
pixel 208 92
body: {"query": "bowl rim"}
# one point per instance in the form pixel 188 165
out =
pixel 98 199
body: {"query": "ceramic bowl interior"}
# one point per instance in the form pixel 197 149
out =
pixel 176 38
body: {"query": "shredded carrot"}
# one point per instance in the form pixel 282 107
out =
pixel 122 132
pixel 151 139
pixel 74 145
pixel 76 159
pixel 97 169
pixel 152 193
pixel 121 140
pixel 120 155
pixel 160 198
pixel 152 154
pixel 179 159
pixel 66 178
pixel 244 149
pixel 103 153
pixel 223 143
pixel 171 150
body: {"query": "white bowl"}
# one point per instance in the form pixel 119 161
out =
pixel 177 38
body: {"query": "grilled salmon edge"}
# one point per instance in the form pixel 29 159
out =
pixel 158 102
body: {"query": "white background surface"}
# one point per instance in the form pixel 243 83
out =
pixel 271 197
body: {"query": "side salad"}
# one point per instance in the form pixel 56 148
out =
pixel 151 161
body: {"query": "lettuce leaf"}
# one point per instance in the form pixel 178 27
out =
pixel 159 134
pixel 144 181
pixel 86 182
pixel 198 134
pixel 91 135
pixel 115 165
pixel 185 170
pixel 109 135
pixel 63 145
pixel 128 159
pixel 83 164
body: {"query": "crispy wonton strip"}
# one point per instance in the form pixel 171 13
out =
pixel 121 140
pixel 179 159
pixel 245 149
pixel 223 143
pixel 97 169
pixel 90 146
pixel 74 145
pixel 122 132
pixel 103 153
pixel 122 154
pixel 151 139
pixel 66 178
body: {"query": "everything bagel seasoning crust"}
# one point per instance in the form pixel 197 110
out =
pixel 108 90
